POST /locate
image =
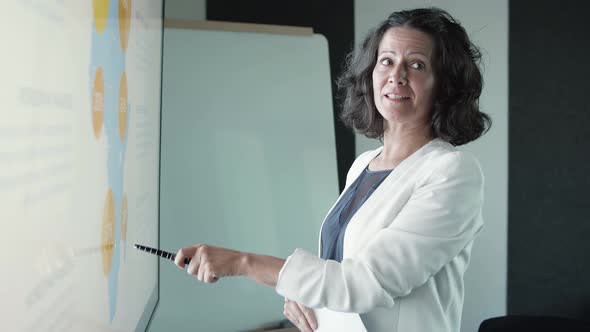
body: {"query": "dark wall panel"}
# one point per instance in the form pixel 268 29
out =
pixel 549 159
pixel 296 13
pixel 333 19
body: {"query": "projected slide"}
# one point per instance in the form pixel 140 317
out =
pixel 79 163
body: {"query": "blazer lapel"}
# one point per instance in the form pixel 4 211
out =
pixel 354 231
pixel 355 174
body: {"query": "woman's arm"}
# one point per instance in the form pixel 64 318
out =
pixel 209 263
pixel 263 269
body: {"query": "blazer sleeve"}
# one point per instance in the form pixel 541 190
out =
pixel 442 217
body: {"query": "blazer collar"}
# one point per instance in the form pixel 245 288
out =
pixel 434 144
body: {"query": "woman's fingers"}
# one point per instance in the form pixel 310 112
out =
pixel 186 252
pixel 204 264
pixel 309 315
pixel 209 263
pixel 294 313
pixel 291 318
pixel 298 322
pixel 210 278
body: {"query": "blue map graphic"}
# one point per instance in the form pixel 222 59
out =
pixel 106 53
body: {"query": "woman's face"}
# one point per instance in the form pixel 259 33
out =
pixel 403 78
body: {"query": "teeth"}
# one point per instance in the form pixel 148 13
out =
pixel 394 96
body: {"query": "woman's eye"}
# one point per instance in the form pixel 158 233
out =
pixel 385 61
pixel 417 65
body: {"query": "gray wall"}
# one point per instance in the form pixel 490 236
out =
pixel 487 24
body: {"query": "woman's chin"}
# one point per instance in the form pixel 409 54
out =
pixel 395 115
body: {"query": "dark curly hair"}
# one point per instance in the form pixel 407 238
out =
pixel 455 117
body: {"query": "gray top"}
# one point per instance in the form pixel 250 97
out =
pixel 354 197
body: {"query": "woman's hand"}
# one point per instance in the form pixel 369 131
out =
pixel 211 263
pixel 300 315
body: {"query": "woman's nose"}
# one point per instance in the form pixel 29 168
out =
pixel 398 76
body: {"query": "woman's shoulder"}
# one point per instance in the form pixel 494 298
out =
pixel 448 159
pixel 438 155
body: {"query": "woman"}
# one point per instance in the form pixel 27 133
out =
pixel 396 244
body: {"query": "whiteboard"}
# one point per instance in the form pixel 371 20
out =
pixel 79 163
pixel 248 162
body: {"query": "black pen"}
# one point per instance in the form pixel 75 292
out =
pixel 160 253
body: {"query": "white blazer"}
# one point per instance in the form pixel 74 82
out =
pixel 405 250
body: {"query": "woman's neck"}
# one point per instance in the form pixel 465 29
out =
pixel 398 145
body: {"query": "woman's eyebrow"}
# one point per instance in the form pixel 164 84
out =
pixel 411 53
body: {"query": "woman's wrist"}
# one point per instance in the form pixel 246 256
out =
pixel 261 268
pixel 244 264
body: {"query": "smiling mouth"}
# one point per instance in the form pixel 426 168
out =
pixel 394 97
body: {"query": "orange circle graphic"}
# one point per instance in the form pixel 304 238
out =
pixel 108 233
pixel 123 106
pixel 124 218
pixel 124 22
pixel 98 102
pixel 100 12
